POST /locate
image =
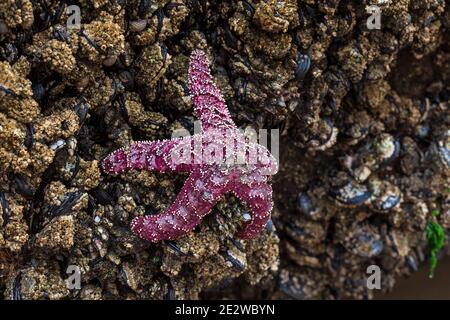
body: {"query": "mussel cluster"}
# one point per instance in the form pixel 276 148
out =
pixel 364 145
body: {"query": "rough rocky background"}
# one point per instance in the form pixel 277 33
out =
pixel 364 123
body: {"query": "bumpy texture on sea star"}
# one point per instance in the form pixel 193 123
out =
pixel 220 159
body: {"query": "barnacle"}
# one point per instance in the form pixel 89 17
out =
pixel 17 13
pixel 16 93
pixel 102 38
pixel 59 56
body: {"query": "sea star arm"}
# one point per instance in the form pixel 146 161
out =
pixel 174 154
pixel 198 195
pixel 258 197
pixel 244 170
pixel 208 102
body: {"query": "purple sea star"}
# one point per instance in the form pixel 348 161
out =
pixel 220 159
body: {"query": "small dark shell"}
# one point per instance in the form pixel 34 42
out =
pixel 160 17
pixel 82 109
pixel 235 262
pixel 171 5
pixel 66 205
pixel 57 145
pixel 23 37
pixel 185 87
pixel 23 187
pixel 390 202
pixel 270 226
pixel 157 123
pixel 29 137
pixel 249 7
pixel 365 244
pixel 170 290
pixel 44 21
pixel 144 7
pixel 5 208
pixel 298 231
pixel 375 245
pixel 17 287
pixel 82 84
pixel 423 130
pixel 385 197
pixel 423 105
pixel 92 43
pixel 395 152
pixel 103 197
pixel 123 272
pixel 246 217
pixel 173 246
pixel 241 89
pixel 122 106
pixel 304 203
pixel 351 194
pixel 59 11
pixel 328 138
pixel 110 61
pixel 38 91
pixel 238 244
pixel 164 52
pixel 187 123
pixel 411 263
pixel 159 90
pixel 444 152
pixel 60 33
pixel 76 168
pixel 230 38
pixel 7 91
pixel 92 205
pixel 9 53
pixel 303 65
pixel 440 152
pixel 127 79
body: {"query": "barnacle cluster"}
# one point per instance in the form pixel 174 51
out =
pixel 364 142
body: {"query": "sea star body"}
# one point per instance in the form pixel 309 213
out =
pixel 220 159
